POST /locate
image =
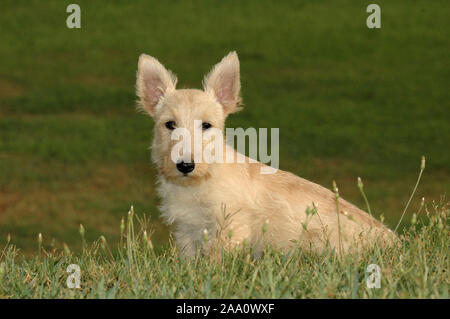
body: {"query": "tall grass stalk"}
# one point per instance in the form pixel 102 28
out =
pixel 361 189
pixel 422 168
pixel 336 195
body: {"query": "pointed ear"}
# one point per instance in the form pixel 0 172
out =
pixel 225 83
pixel 153 82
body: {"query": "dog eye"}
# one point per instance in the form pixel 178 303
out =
pixel 206 125
pixel 170 125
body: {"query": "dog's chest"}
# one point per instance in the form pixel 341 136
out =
pixel 193 205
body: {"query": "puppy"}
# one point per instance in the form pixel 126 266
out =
pixel 228 203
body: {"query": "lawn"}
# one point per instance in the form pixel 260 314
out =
pixel 349 101
pixel 416 268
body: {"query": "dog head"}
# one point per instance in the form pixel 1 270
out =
pixel 181 116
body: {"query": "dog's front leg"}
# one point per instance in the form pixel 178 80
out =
pixel 192 240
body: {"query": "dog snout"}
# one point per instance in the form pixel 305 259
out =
pixel 185 168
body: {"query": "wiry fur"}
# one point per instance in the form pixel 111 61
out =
pixel 234 199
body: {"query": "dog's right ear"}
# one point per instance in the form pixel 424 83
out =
pixel 153 82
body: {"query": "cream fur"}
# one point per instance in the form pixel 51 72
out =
pixel 250 200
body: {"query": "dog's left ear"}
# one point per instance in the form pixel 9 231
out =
pixel 225 83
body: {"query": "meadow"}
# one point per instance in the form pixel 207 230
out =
pixel 349 101
pixel 416 268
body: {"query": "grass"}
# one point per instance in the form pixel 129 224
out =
pixel 416 268
pixel 349 102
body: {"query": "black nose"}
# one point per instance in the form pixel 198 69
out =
pixel 185 168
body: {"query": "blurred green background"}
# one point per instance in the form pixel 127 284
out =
pixel 349 101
